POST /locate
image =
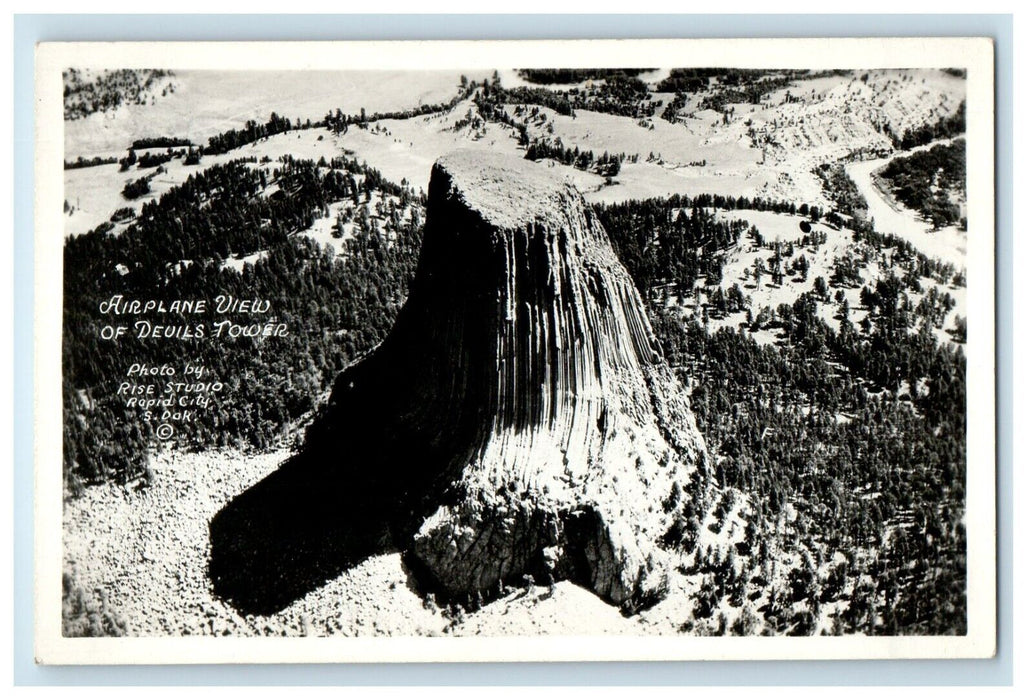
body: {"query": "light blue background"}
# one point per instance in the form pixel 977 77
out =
pixel 29 29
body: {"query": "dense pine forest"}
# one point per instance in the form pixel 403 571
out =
pixel 335 307
pixel 81 162
pixel 606 164
pixel 619 94
pixel 928 181
pixel 566 76
pixel 858 430
pixel 947 127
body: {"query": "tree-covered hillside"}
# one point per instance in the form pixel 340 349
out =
pixel 849 441
pixel 333 307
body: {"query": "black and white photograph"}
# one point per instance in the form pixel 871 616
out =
pixel 681 349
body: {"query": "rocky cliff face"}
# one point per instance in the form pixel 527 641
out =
pixel 518 417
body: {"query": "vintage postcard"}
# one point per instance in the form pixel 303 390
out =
pixel 469 351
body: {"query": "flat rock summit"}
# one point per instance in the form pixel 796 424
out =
pixel 518 420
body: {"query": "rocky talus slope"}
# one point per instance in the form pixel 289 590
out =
pixel 517 421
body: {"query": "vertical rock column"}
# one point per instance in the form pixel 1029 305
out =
pixel 519 402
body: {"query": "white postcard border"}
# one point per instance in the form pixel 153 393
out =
pixel 976 55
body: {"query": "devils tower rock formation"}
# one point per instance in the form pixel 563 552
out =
pixel 518 419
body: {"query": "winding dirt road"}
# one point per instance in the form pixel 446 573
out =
pixel 948 244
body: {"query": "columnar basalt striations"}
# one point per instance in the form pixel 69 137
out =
pixel 519 407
